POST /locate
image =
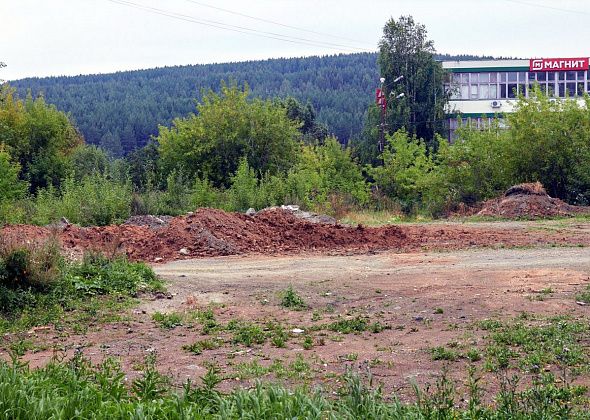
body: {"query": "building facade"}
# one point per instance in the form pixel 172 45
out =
pixel 481 90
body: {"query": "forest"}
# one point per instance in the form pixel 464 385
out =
pixel 120 111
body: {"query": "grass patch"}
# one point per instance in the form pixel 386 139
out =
pixel 167 321
pixel 199 346
pixel 77 388
pixel 534 344
pixel 442 353
pixel 39 287
pixel 246 333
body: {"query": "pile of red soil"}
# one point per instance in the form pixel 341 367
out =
pixel 210 232
pixel 528 201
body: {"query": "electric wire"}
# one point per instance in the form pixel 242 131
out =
pixel 233 12
pixel 543 6
pixel 236 28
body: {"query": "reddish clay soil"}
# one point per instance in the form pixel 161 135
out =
pixel 210 233
pixel 525 201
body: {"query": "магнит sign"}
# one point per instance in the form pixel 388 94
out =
pixel 558 64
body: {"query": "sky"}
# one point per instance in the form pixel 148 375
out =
pixel 70 37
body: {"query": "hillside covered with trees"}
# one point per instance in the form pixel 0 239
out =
pixel 120 111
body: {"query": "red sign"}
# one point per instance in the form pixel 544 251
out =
pixel 558 64
pixel 380 98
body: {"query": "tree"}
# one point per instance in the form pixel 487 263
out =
pixel 111 143
pixel 10 185
pixel 38 136
pixel 229 126
pixel 89 160
pixel 550 143
pixel 405 50
pixel 312 130
pixel 406 166
pixel 325 170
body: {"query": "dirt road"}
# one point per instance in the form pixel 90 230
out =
pixel 435 276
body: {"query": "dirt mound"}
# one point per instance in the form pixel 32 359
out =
pixel 528 201
pixel 211 232
pixel 532 188
pixel 150 221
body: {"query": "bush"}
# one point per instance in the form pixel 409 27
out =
pixel 37 286
pixel 95 201
pixel 323 172
pixel 406 167
pixel 36 265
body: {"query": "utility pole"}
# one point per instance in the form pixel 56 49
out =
pixel 381 100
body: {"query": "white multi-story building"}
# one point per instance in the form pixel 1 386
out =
pixel 484 89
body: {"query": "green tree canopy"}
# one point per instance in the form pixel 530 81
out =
pixel 11 186
pixel 405 50
pixel 227 127
pixel 38 136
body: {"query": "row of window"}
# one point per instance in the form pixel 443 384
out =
pixel 480 123
pixel 507 85
pixel 473 122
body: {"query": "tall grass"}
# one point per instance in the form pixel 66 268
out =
pixel 79 389
pixel 95 200
pixel 37 286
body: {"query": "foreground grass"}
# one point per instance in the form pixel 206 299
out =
pixel 78 389
pixel 67 294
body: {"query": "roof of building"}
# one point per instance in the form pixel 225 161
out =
pixel 486 65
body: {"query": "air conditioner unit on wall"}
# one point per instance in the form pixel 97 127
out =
pixel 496 104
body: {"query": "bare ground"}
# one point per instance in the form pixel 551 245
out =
pixel 428 299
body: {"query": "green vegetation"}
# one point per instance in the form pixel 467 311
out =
pixel 167 321
pixel 405 50
pixel 442 353
pixel 532 344
pixel 290 299
pixel 199 346
pixel 38 287
pixel 77 388
pixel 240 152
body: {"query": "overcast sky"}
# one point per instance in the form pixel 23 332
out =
pixel 69 37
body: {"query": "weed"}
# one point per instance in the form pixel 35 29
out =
pixel 316 316
pixel 246 333
pixel 350 357
pixel 473 355
pixel 290 299
pixel 439 311
pixel 167 321
pixel 441 353
pixel 77 388
pixel 377 327
pixel 308 342
pixel 348 326
pixel 198 346
pixel 279 335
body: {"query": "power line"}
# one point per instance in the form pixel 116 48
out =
pixel 236 28
pixel 559 9
pixel 274 22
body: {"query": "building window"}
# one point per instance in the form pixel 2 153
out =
pixel 512 87
pixel 508 85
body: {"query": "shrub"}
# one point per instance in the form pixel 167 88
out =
pixel 96 200
pixel 36 265
pixel 324 171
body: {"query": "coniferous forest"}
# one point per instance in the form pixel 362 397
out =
pixel 120 111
